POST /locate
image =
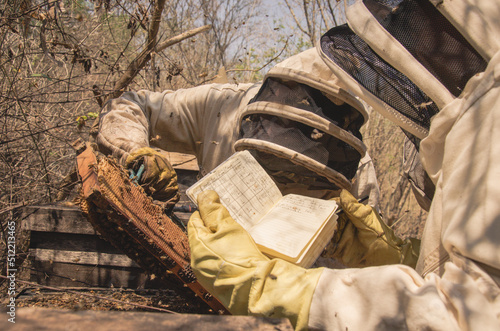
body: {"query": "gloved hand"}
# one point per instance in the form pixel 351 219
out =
pixel 159 179
pixel 363 239
pixel 227 262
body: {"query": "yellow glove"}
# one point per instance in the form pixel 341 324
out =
pixel 227 262
pixel 159 178
pixel 363 239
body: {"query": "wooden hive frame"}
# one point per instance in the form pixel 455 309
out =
pixel 125 216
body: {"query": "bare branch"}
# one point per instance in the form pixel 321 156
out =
pixel 32 134
pixel 142 59
pixel 262 67
pixel 322 11
pixel 297 21
pixel 332 12
pixel 310 27
pixel 177 39
pixel 10 208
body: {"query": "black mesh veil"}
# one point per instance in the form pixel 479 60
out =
pixel 431 39
pixel 301 138
pixel 304 97
pixel 349 52
pixel 414 27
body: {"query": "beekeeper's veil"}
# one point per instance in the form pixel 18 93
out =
pixel 303 127
pixel 409 58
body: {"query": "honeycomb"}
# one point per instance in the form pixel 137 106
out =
pixel 129 219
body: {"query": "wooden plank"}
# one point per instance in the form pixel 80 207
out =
pixel 182 161
pixel 80 275
pixel 58 319
pixel 56 218
pixel 67 251
pixel 80 257
pixel 71 242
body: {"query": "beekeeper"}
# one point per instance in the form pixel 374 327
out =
pixel 301 126
pixel 433 68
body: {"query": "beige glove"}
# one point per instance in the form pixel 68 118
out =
pixel 228 264
pixel 159 178
pixel 363 239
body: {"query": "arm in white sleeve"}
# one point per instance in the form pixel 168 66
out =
pixel 185 120
pixel 124 123
pixel 397 298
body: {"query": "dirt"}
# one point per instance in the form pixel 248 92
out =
pixel 108 299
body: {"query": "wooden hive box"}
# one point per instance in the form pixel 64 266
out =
pixel 65 250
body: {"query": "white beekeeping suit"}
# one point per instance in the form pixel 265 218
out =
pixel 456 92
pixel 300 99
pixel 433 68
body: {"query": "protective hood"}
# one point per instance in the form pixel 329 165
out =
pixel 406 59
pixel 303 127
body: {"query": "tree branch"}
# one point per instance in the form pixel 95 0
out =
pixel 322 12
pixel 310 27
pixel 177 39
pixel 295 18
pixel 262 67
pixel 332 12
pixel 142 59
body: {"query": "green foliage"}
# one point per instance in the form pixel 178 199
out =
pixel 82 120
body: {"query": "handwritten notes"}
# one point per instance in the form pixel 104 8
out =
pixel 295 220
pixel 244 188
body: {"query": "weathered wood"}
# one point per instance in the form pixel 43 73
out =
pixel 81 257
pixel 56 218
pixel 71 242
pixel 66 250
pixel 182 161
pixel 79 275
pixel 55 319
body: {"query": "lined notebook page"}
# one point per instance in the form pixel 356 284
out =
pixel 292 223
pixel 244 188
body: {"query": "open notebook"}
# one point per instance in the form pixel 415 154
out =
pixel 293 227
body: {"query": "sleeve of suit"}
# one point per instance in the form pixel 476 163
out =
pixel 185 120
